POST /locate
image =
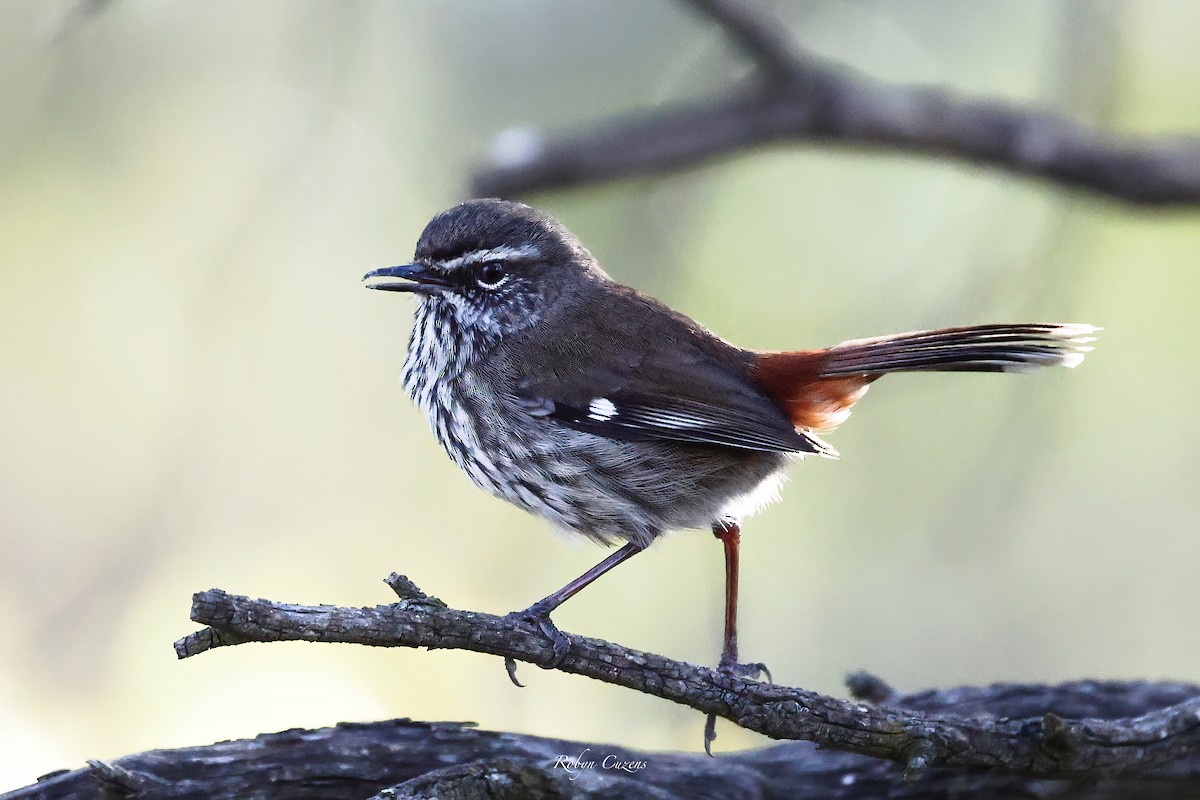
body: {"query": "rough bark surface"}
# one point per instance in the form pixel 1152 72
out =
pixel 405 759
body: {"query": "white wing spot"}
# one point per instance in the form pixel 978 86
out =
pixel 601 409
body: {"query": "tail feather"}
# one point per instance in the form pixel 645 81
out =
pixel 817 388
pixel 983 348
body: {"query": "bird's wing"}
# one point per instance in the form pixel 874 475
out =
pixel 665 379
pixel 638 418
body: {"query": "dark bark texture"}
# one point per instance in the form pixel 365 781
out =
pixel 405 759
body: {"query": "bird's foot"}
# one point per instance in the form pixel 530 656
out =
pixel 750 671
pixel 736 669
pixel 540 616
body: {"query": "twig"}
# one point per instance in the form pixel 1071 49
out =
pixel 759 36
pixel 1048 745
pixel 407 590
pixel 803 99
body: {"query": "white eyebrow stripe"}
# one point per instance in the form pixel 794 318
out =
pixel 523 253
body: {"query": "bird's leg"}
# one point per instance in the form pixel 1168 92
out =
pixel 731 535
pixel 539 612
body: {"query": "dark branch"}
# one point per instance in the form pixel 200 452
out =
pixel 758 35
pixel 1043 744
pixel 802 99
pixel 447 759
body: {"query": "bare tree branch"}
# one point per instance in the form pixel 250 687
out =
pixel 1048 745
pixel 766 42
pixel 445 759
pixel 799 98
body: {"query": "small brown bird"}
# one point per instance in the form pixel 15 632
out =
pixel 607 413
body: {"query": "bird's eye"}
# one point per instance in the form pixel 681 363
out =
pixel 491 274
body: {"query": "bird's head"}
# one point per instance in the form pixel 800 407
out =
pixel 494 264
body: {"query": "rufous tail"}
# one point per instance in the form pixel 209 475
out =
pixel 817 388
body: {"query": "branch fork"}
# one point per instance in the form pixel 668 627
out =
pixel 799 98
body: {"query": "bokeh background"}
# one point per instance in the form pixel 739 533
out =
pixel 195 391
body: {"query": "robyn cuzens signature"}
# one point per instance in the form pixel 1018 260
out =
pixel 575 765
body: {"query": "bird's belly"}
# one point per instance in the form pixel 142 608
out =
pixel 605 489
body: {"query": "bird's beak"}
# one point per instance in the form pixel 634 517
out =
pixel 406 278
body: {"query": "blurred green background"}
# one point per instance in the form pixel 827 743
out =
pixel 195 391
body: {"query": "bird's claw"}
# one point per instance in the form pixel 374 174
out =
pixel 750 671
pixel 558 640
pixel 510 666
pixel 710 733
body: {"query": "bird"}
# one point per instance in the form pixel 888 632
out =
pixel 604 411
